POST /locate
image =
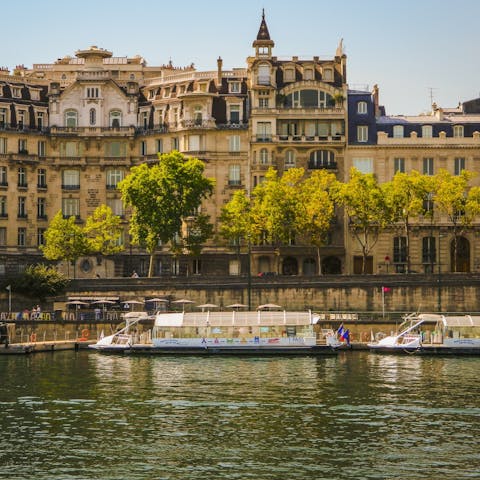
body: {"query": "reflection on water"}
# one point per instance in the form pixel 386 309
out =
pixel 361 416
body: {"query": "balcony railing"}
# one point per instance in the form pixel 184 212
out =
pixel 299 138
pixel 87 131
pixel 322 165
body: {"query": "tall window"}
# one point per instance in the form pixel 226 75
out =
pixel 41 236
pixel 21 118
pixel 234 143
pixel 427 131
pixel 93 92
pixel 398 131
pixel 71 118
pixel 429 250
pixel 363 165
pixel 22 177
pixel 428 166
pixel 22 237
pixel 3 144
pixel 3 117
pixel 234 175
pixel 115 149
pixel 39 120
pixel 22 207
pixel 289 159
pixel 116 205
pixel 234 113
pixel 42 178
pixel 398 165
pixel 458 131
pixel 71 179
pixel 42 208
pixel 264 156
pixel 321 159
pixel 362 107
pixel 41 148
pixel 3 236
pixel 264 131
pixel 93 116
pixel 197 115
pixel 159 145
pixel 143 147
pixel 428 205
pixel 70 207
pixel 362 133
pixel 3 206
pixel 115 120
pixel 114 176
pixel 22 146
pixel 3 176
pixel 399 249
pixel 459 165
pixel 264 74
pixel 193 143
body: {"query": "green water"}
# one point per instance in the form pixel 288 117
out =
pixel 356 416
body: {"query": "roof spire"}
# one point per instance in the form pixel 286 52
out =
pixel 263 30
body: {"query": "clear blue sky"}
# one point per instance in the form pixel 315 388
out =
pixel 406 47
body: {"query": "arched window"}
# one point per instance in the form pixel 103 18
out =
pixel 322 159
pixel 309 99
pixel 263 156
pixel 71 118
pixel 115 118
pixel 362 107
pixel 93 116
pixel 264 74
pixel 197 115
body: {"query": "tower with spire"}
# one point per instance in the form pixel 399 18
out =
pixel 263 44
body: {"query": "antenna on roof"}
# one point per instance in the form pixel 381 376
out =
pixel 431 89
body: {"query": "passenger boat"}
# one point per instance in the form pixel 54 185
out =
pixel 429 333
pixel 232 332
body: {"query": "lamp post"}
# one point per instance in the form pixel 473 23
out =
pixel 249 274
pixel 9 288
pixel 439 302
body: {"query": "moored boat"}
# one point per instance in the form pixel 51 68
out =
pixel 429 333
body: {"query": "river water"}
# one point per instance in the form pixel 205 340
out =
pixel 85 415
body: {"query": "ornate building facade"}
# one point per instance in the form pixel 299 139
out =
pixel 71 130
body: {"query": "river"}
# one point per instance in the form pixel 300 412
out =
pixel 84 415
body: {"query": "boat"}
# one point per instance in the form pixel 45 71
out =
pixel 233 332
pixel 429 333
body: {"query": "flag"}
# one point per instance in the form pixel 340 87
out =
pixel 386 289
pixel 340 330
pixel 345 336
pixel 8 287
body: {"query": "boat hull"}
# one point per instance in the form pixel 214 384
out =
pixel 428 350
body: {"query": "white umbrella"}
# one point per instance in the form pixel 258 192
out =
pixel 157 300
pixel 104 303
pixel 207 306
pixel 135 302
pixel 183 302
pixel 76 302
pixel 269 306
pixel 237 305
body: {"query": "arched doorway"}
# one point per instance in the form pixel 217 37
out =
pixel 309 266
pixel 331 266
pixel 290 266
pixel 461 261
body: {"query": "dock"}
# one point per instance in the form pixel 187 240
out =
pixel 49 346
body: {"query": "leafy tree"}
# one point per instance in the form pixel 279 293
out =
pixel 235 218
pixel 39 281
pixel 458 201
pixel 317 209
pixel 199 229
pixel 64 240
pixel 162 196
pixel 365 205
pixel 103 230
pixel 405 195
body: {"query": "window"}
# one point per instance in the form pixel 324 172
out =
pixel 398 131
pixel 308 99
pixel 459 165
pixel 363 165
pixel 428 205
pixel 264 131
pixel 3 145
pixel 159 145
pixel 42 208
pixel 234 113
pixel 115 119
pixel 234 175
pixel 22 207
pixel 22 177
pixel 428 166
pixel 264 74
pixel 3 207
pixel 92 116
pixel 264 156
pixel 22 237
pixel 263 103
pixel 17 92
pixel 71 149
pixel 362 133
pixel 42 178
pixel 34 94
pixel 427 131
pixel 328 75
pixel 22 146
pixel 3 176
pixel 41 146
pixel 3 236
pixel 3 117
pixel 71 118
pixel 174 143
pixel 234 87
pixel 289 159
pixel 152 94
pixel 116 205
pixel 322 159
pixel 114 176
pixel 308 74
pixel 115 149
pixel 93 92
pixel 144 119
pixel 399 249
pixel 70 207
pixel 234 143
pixel 362 107
pixel 193 143
pixel 71 179
pixel 458 131
pixel 41 236
pixel 429 250
pixel 197 115
pixel 143 148
pixel 39 120
pixel 398 165
pixel 289 75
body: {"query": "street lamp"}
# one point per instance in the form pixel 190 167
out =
pixel 249 273
pixel 439 305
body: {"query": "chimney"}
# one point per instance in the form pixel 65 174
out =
pixel 376 100
pixel 219 71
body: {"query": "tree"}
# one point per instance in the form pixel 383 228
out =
pixel 162 196
pixel 235 218
pixel 367 210
pixel 64 240
pixel 405 196
pixel 103 230
pixel 317 209
pixel 39 281
pixel 458 201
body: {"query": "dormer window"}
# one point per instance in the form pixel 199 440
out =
pixel 458 131
pixel 398 131
pixel 17 92
pixel 182 89
pixel 115 118
pixel 327 75
pixel 427 131
pixel 289 75
pixel 34 94
pixel 308 74
pixel 234 87
pixel 166 92
pixel 264 74
pixel 71 118
pixel 202 87
pixel 152 94
pixel 93 92
pixel 362 108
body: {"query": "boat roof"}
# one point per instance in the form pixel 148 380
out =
pixel 218 319
pixel 452 320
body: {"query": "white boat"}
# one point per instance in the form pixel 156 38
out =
pixel 232 332
pixel 433 333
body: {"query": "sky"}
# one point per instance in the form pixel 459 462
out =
pixel 414 50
